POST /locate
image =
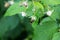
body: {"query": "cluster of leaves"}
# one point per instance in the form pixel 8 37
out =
pixel 30 20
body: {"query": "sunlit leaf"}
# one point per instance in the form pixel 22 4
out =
pixel 56 36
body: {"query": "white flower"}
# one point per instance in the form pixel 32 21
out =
pixel 11 2
pixel 33 17
pixel 23 14
pixel 25 3
pixel 6 4
pixel 49 12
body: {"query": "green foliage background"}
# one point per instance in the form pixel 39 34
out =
pixel 13 26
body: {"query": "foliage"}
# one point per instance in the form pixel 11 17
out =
pixel 29 19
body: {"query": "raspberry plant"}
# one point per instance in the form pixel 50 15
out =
pixel 29 19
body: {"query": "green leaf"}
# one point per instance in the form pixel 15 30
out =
pixel 13 33
pixel 39 9
pixel 56 13
pixel 15 9
pixel 45 31
pixel 47 19
pixel 51 2
pixel 56 36
pixel 8 23
pixel 38 5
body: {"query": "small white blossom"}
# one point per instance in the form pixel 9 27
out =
pixel 23 14
pixel 6 4
pixel 33 17
pixel 25 3
pixel 11 2
pixel 49 12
